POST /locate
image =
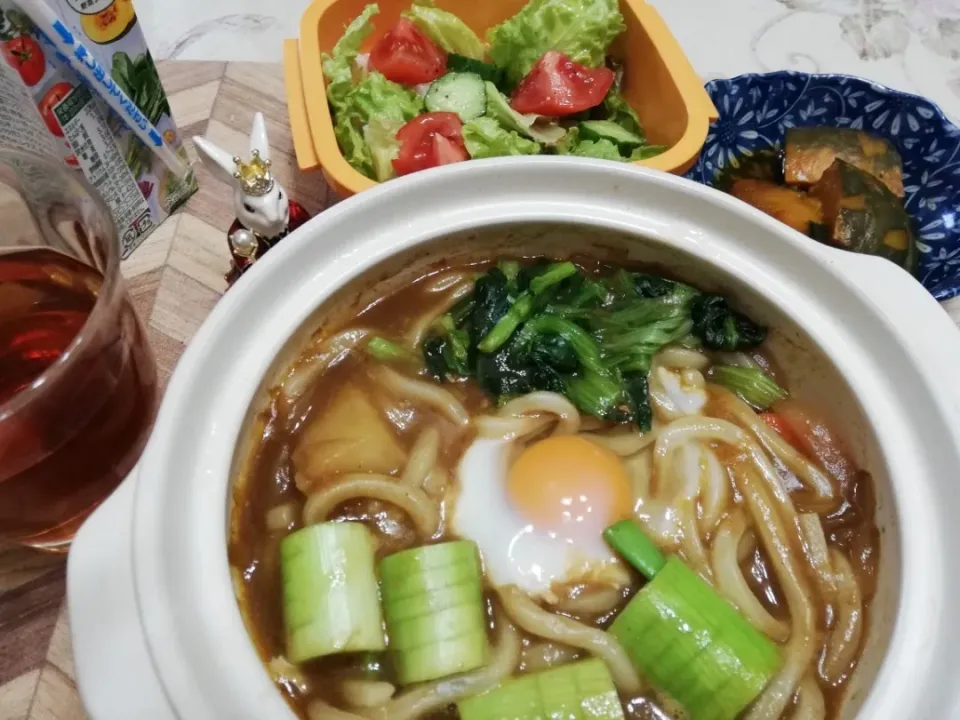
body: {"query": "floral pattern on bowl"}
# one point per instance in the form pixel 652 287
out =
pixel 756 110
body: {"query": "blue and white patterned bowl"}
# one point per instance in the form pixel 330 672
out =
pixel 755 111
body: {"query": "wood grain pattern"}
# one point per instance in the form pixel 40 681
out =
pixel 28 615
pixel 16 695
pixel 175 278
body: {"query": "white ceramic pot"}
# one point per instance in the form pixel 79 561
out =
pixel 156 629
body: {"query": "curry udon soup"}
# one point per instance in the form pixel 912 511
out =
pixel 551 489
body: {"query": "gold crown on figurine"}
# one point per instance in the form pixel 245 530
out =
pixel 254 177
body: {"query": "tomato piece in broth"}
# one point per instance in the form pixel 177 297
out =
pixel 813 437
pixel 779 425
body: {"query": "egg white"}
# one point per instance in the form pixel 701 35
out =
pixel 514 551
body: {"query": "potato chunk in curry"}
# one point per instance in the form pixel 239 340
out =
pixel 349 435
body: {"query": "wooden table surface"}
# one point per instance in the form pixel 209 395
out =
pixel 175 278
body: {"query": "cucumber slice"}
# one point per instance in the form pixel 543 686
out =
pixel 431 629
pixel 433 602
pixel 579 691
pixel 330 598
pixel 488 71
pixel 606 130
pixel 449 657
pixel 461 92
pixel 694 646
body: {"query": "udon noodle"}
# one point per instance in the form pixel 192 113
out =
pixel 773 527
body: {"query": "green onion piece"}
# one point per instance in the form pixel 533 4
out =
pixel 510 269
pixel 629 540
pixel 553 275
pixel 753 385
pixel 583 344
pixel 694 646
pixel 505 326
pixel 383 350
pixel 523 306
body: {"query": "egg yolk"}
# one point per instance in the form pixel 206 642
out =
pixel 571 486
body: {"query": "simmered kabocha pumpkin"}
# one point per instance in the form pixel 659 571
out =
pixel 862 215
pixel 810 151
pixel 111 23
pixel 792 207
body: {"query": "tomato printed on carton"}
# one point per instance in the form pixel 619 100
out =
pixel 46 108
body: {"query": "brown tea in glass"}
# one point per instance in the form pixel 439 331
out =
pixel 78 385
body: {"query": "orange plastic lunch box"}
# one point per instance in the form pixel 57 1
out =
pixel 659 81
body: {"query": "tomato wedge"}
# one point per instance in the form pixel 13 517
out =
pixel 780 426
pixel 24 54
pixel 49 101
pixel 405 55
pixel 816 440
pixel 428 141
pixel 558 86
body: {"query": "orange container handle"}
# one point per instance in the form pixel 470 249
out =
pixel 689 82
pixel 297 108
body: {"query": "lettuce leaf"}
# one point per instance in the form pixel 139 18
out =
pixel 373 98
pixel 380 135
pixel 647 151
pixel 368 109
pixel 580 29
pixel 620 112
pixel 603 149
pixel 352 145
pixel 338 66
pixel 356 32
pixel 573 144
pixel 485 138
pixel 446 30
pixel 498 108
pixel 339 75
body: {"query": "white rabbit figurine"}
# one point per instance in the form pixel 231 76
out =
pixel 265 213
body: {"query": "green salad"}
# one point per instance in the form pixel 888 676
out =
pixel 431 92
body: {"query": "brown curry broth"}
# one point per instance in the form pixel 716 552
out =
pixel 254 550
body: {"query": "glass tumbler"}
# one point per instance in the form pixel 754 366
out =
pixel 78 383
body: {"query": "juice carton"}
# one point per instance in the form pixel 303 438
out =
pixel 47 109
